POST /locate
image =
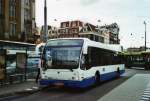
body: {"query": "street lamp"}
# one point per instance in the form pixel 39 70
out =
pixel 99 21
pixel 45 22
pixel 131 40
pixel 145 34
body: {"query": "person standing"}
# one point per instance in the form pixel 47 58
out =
pixel 38 73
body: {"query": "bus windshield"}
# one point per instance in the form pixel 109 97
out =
pixel 62 54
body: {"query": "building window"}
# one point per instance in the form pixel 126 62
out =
pixel 63 31
pixel 67 24
pixel 64 25
pixel 0 7
pixel 27 2
pixel 27 14
pixel 1 26
pixel 101 39
pixel 74 31
pixel 67 31
pixel 12 29
pixel 1 19
pixel 96 38
pixel 12 8
pixel 74 24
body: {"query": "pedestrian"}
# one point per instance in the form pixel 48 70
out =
pixel 38 73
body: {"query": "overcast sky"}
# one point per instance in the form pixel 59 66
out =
pixel 128 14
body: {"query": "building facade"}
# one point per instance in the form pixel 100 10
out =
pixel 37 35
pixel 106 34
pixel 17 20
pixel 94 33
pixel 1 17
pixel 113 31
pixel 52 32
pixel 70 28
pixel 80 29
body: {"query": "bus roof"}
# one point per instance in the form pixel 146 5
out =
pixel 88 42
pixel 111 47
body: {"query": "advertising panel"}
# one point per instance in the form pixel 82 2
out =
pixel 21 60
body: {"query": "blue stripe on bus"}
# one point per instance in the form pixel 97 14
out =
pixel 80 84
pixel 109 76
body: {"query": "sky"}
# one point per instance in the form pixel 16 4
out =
pixel 128 14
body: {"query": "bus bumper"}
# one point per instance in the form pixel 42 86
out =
pixel 78 84
pixel 68 83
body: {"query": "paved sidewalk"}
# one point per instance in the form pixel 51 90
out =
pixel 26 86
pixel 132 90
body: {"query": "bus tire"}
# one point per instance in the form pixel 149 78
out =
pixel 97 78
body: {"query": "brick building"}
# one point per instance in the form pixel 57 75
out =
pixel 70 28
pixel 105 34
pixel 80 29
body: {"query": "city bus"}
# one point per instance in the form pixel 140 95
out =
pixel 136 59
pixel 79 62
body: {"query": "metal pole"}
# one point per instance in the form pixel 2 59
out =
pixel 45 22
pixel 26 63
pixel 145 34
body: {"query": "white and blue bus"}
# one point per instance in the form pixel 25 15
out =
pixel 79 62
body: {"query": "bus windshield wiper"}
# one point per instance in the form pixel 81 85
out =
pixel 71 70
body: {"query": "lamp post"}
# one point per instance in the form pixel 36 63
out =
pixel 45 22
pixel 99 21
pixel 145 34
pixel 131 40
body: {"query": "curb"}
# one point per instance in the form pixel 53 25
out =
pixel 25 91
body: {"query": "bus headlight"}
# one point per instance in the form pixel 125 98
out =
pixel 75 78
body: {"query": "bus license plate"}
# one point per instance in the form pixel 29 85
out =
pixel 59 84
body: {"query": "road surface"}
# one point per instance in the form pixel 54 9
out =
pixel 91 94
